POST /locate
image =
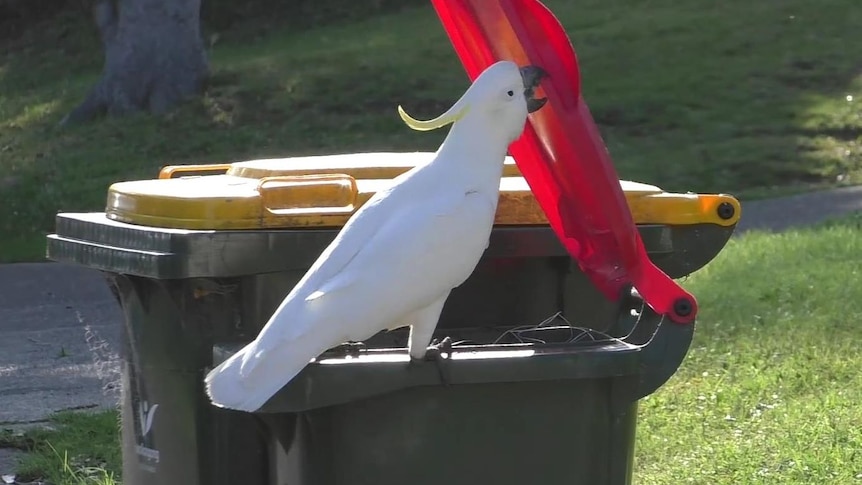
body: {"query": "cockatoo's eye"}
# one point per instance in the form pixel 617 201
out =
pixel 510 93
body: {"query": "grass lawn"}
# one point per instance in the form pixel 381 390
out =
pixel 770 390
pixel 734 96
pixel 78 449
pixel 768 394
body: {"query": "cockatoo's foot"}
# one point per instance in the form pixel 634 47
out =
pixel 441 352
pixel 442 347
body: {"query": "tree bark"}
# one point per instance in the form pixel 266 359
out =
pixel 154 58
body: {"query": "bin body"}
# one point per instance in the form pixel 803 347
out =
pixel 176 313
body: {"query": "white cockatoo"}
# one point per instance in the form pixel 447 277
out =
pixel 396 260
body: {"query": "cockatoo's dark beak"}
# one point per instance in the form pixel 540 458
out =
pixel 532 76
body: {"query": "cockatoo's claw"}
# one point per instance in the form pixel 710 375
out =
pixel 442 347
pixel 349 349
pixel 441 352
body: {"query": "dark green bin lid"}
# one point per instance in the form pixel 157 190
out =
pixel 93 240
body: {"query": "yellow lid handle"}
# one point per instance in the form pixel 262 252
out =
pixel 308 195
pixel 683 209
pixel 169 171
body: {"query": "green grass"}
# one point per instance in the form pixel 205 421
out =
pixel 734 96
pixel 78 449
pixel 770 390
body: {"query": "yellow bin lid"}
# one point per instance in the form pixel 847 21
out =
pixel 324 191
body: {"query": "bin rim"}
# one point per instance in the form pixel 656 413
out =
pixel 645 359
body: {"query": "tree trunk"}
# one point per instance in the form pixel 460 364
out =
pixel 154 57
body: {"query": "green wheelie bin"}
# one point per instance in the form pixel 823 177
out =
pixel 541 384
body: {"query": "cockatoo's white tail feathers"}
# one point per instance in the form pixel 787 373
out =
pixel 223 385
pixel 228 386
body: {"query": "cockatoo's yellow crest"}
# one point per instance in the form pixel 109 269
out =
pixel 454 114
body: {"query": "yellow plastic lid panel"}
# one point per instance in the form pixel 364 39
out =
pixel 227 201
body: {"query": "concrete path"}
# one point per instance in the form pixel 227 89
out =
pixel 60 324
pixel 59 333
pixel 799 210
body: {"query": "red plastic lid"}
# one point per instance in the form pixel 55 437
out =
pixel 561 153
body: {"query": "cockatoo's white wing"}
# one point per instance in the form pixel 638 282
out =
pixel 324 275
pixel 417 254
